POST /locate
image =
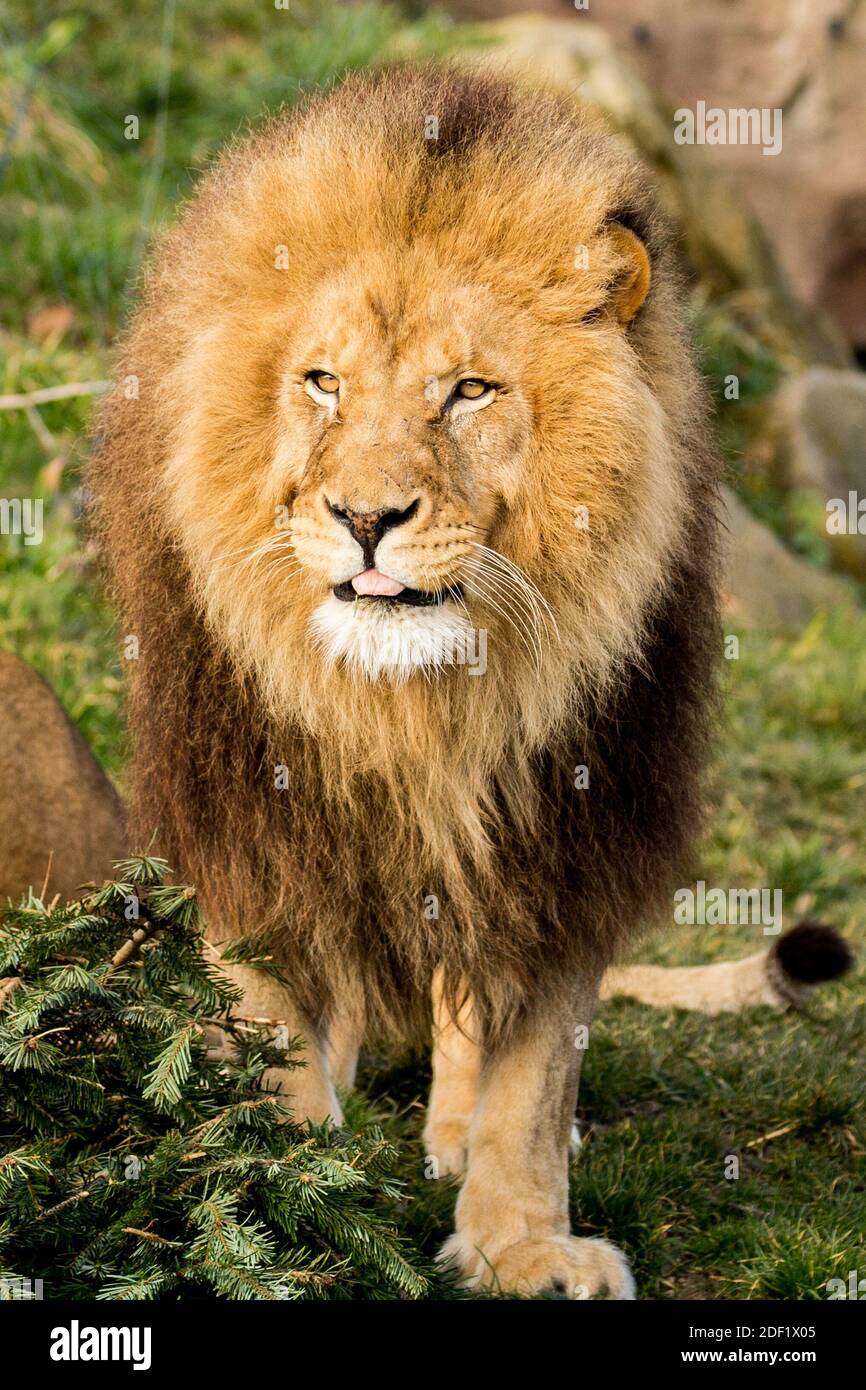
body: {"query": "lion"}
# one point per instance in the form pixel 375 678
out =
pixel 406 490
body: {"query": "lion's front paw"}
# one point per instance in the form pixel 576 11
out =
pixel 445 1141
pixel 279 1084
pixel 565 1265
pixel 301 1094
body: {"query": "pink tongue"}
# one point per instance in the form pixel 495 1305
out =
pixel 373 583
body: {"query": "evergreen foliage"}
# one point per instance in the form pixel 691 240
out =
pixel 135 1163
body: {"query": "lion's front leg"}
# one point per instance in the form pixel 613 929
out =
pixel 456 1061
pixel 306 1091
pixel 345 1035
pixel 512 1228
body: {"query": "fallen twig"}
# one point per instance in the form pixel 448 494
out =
pixel 27 399
pixel 773 1134
pixel 130 947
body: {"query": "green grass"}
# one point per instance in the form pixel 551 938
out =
pixel 666 1098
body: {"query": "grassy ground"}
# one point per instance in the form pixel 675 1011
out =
pixel 665 1098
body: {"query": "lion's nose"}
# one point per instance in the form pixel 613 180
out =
pixel 368 528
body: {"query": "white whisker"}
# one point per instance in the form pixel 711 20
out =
pixel 476 586
pixel 503 584
pixel 499 586
pixel 248 555
pixel 520 588
pixel 532 591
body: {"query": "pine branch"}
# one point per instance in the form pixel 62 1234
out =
pixel 134 1165
pixel 68 1202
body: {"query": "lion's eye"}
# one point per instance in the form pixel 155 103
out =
pixel 471 388
pixel 325 382
pixel 470 393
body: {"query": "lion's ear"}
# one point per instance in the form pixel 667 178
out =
pixel 633 282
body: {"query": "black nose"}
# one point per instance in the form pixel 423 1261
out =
pixel 368 528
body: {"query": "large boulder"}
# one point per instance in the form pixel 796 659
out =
pixel 820 424
pixel 764 583
pixel 806 60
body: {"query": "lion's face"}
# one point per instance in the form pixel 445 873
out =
pixel 413 463
pixel 406 425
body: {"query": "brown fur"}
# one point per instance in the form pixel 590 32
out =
pixel 61 821
pixel 403 251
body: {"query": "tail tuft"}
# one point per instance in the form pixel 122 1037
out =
pixel 810 953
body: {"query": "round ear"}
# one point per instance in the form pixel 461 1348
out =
pixel 633 282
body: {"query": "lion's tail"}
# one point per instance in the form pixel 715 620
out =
pixel 780 977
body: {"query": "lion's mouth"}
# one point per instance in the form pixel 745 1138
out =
pixel 370 584
pixel 420 598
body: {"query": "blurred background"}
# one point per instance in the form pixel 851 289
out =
pixel 109 112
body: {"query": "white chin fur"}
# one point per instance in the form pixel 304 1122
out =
pixel 377 638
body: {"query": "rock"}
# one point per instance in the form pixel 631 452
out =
pixel 806 60
pixel 765 584
pixel 821 414
pixel 820 429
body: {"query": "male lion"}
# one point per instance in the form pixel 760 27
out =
pixel 405 491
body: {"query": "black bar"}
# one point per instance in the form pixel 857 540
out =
pixel 254 1340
